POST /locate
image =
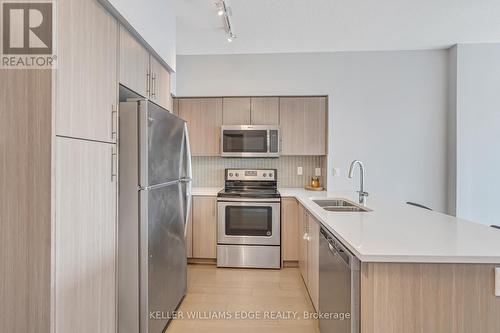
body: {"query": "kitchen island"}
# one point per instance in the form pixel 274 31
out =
pixel 421 271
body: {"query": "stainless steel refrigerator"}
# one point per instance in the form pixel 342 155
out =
pixel 154 203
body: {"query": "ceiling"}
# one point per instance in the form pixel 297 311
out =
pixel 281 26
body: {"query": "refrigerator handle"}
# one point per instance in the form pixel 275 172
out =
pixel 189 199
pixel 189 176
pixel 189 169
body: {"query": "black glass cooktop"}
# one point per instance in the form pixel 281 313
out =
pixel 249 193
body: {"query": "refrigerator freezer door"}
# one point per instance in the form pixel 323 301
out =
pixel 161 137
pixel 163 256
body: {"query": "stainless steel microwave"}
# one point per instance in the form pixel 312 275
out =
pixel 250 141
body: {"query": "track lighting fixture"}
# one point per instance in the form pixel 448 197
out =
pixel 225 12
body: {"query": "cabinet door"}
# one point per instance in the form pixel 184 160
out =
pixel 85 236
pixel 289 229
pixel 134 64
pixel 189 235
pixel 175 107
pixel 236 111
pixel 313 261
pixel 204 227
pixel 302 241
pixel 160 84
pixel 204 119
pixel 86 98
pixel 265 111
pixel 303 125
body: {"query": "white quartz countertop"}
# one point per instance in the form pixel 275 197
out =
pixel 205 191
pixel 396 232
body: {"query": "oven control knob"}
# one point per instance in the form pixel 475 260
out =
pixel 237 175
pixel 230 174
pixel 270 175
pixel 264 175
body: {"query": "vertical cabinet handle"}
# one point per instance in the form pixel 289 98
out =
pixel 215 209
pixel 148 83
pixel 113 122
pixel 113 164
pixel 153 85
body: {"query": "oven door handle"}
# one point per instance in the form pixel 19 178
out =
pixel 248 200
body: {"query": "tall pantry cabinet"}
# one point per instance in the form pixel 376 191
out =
pixel 86 112
pixel 58 183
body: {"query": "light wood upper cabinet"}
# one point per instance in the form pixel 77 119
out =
pixel 141 72
pixel 303 124
pixel 204 119
pixel 175 107
pixel 85 236
pixel 289 229
pixel 264 111
pixel 204 227
pixel 313 261
pixel 160 84
pixel 134 64
pixel 302 241
pixel 87 87
pixel 236 111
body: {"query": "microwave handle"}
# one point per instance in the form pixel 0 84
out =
pixel 221 150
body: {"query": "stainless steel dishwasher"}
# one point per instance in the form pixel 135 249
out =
pixel 339 283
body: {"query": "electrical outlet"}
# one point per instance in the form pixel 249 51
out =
pixel 299 171
pixel 336 172
pixel 317 172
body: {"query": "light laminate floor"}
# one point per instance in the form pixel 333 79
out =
pixel 221 292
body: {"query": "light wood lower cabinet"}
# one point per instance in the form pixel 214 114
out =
pixel 441 298
pixel 308 252
pixel 302 241
pixel 85 236
pixel 289 229
pixel 204 227
pixel 313 261
pixel 87 85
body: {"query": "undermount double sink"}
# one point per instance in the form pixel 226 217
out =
pixel 340 205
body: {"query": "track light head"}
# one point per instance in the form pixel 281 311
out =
pixel 230 37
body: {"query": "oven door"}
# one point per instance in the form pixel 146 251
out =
pixel 249 222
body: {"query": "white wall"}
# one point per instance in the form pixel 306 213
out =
pixel 388 109
pixel 478 132
pixel 155 21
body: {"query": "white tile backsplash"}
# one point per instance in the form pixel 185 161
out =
pixel 209 171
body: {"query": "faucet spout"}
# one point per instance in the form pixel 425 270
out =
pixel 362 193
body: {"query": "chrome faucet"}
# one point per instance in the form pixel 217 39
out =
pixel 362 193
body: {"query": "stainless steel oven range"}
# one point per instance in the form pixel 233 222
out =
pixel 249 220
